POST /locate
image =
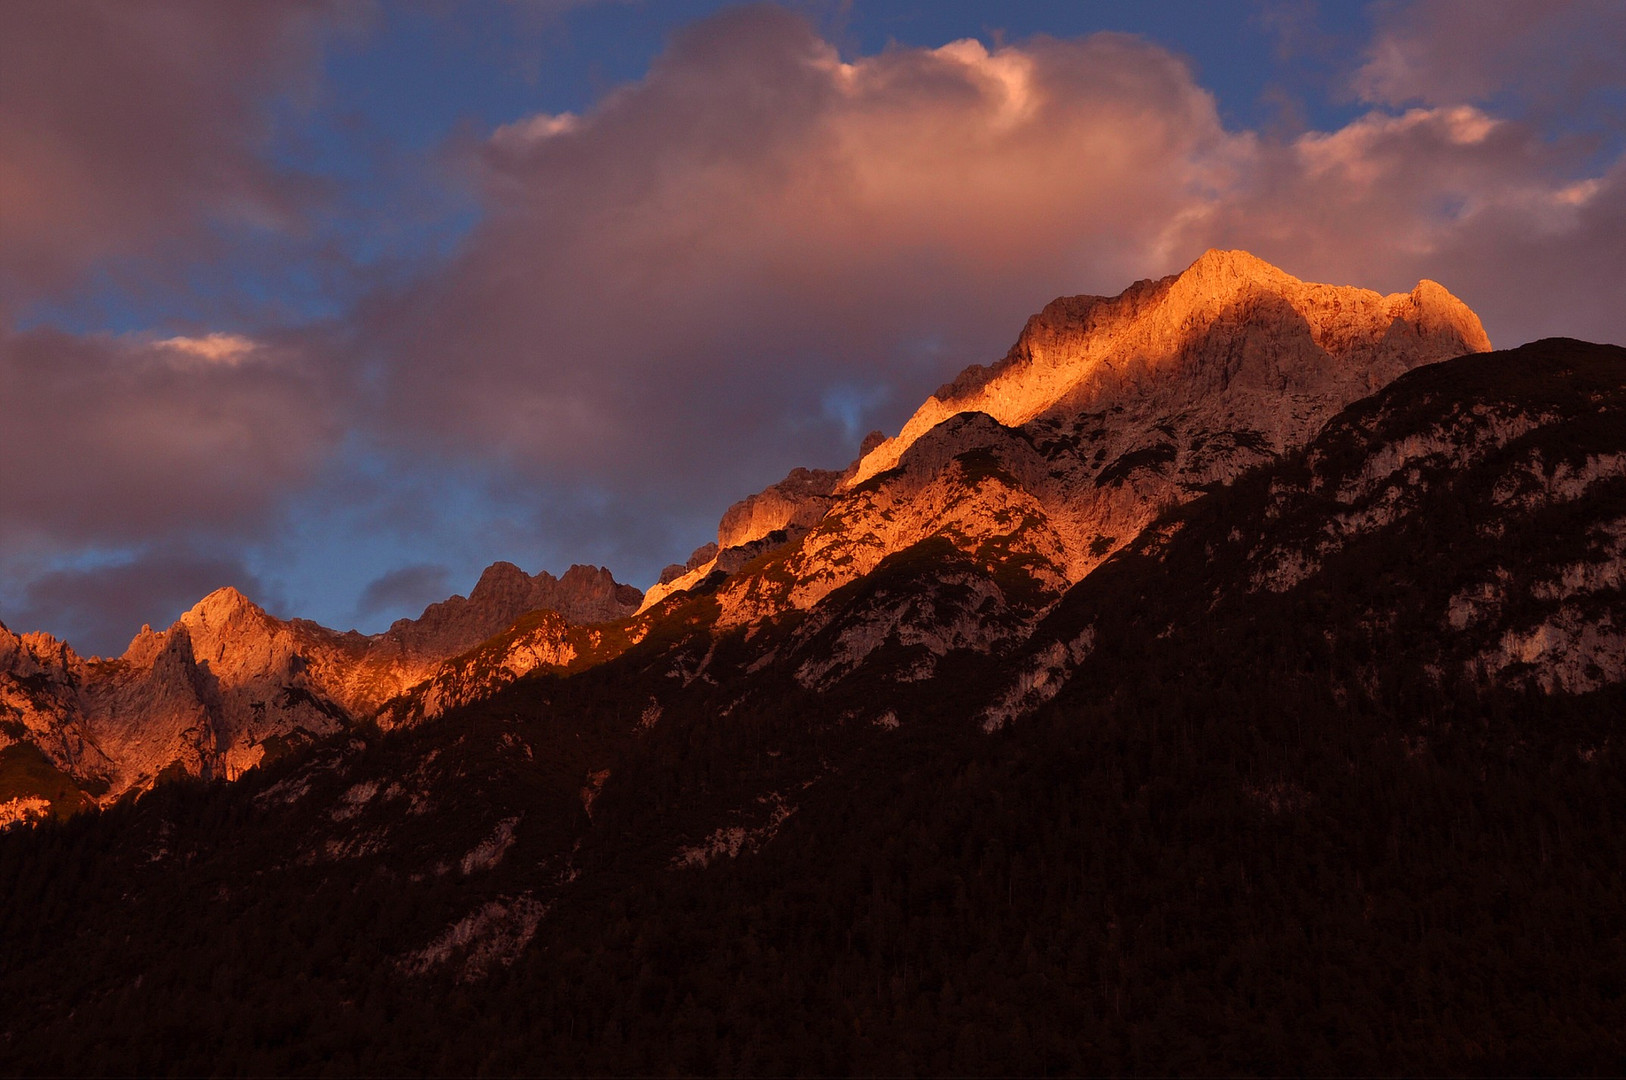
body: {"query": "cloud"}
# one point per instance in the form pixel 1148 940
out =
pixel 666 287
pixel 227 349
pixel 1545 55
pixel 737 264
pixel 112 440
pixel 133 129
pixel 1506 217
pixel 406 591
pixel 99 608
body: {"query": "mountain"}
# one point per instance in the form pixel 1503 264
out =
pixel 1021 746
pixel 1103 412
pixel 1462 533
pixel 1321 819
pixel 227 685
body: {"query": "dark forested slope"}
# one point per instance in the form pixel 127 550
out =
pixel 1321 774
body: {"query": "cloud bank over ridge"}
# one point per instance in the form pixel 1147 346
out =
pixel 742 261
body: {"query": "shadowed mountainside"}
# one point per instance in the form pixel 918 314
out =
pixel 1297 794
pixel 1229 680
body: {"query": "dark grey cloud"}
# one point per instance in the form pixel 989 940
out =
pixel 98 609
pixel 406 591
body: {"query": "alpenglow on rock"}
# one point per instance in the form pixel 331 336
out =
pixel 1011 484
pixel 1231 326
pixel 227 684
pixel 1106 410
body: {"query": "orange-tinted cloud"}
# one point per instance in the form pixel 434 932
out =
pixel 688 271
pixel 671 288
pixel 1509 219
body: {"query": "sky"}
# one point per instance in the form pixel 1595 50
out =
pixel 338 302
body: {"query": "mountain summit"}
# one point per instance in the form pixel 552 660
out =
pixel 1230 324
pixel 228 685
pixel 1020 478
pixel 1104 411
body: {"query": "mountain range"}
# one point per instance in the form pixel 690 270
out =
pixel 1228 678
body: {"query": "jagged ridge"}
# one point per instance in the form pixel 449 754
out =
pixel 228 684
pixel 1105 411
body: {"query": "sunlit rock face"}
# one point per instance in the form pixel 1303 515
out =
pixel 1106 411
pixel 39 682
pixel 777 514
pixel 209 695
pixel 1246 343
pixel 228 683
pixel 798 501
pixel 1008 487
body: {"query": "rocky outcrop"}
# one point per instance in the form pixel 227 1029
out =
pixel 541 641
pixel 701 555
pixel 40 679
pixel 800 500
pixel 584 595
pixel 228 684
pixel 774 516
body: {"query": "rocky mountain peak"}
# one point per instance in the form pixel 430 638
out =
pixel 221 607
pixel 797 501
pixel 584 594
pixel 775 515
pixel 1223 272
pixel 144 647
pixel 1438 311
pixel 226 681
pixel 1105 411
pixel 227 627
pixel 1228 320
pixel 29 653
pixel 501 579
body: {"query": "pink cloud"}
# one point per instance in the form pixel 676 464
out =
pixel 126 128
pixel 112 440
pixel 691 265
pixel 1547 53
pixel 668 287
pixel 1506 218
